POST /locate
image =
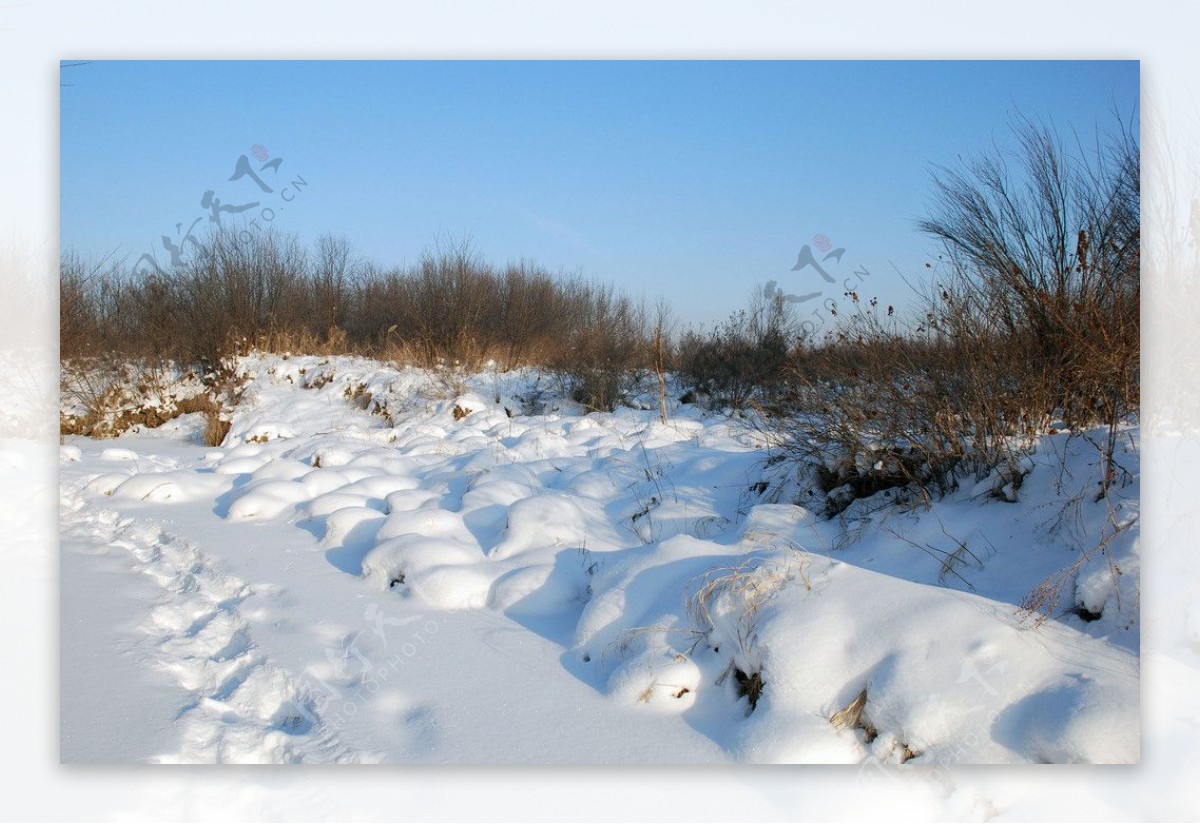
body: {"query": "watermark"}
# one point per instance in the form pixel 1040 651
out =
pixel 807 259
pixel 359 674
pixel 184 241
pixel 950 738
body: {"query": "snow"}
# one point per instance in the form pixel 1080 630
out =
pixel 125 687
pixel 361 573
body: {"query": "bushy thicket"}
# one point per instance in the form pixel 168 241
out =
pixel 601 355
pixel 1033 323
pixel 744 361
pixel 449 308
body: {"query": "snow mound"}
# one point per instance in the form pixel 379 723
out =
pixel 427 559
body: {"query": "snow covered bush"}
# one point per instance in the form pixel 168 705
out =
pixel 103 398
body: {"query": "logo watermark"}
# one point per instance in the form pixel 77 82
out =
pixel 807 259
pixel 950 738
pixel 359 674
pixel 184 241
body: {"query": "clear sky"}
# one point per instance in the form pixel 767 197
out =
pixel 693 181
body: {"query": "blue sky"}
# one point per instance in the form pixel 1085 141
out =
pixel 693 181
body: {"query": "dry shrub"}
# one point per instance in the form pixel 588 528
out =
pixel 1036 322
pixel 216 421
pixel 1047 259
pixel 610 342
pixel 743 361
pixel 880 408
pixel 115 396
pixel 450 310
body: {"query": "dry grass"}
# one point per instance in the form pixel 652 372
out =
pixel 216 421
pixel 854 717
pixel 749 585
pixel 119 396
pixel 1043 601
pixel 951 562
pixel 111 417
pixel 749 686
pixel 744 590
pixel 852 714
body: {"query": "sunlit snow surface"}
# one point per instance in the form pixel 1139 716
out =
pixel 383 566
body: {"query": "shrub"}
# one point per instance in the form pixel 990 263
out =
pixel 450 311
pixel 1051 256
pixel 608 344
pixel 743 360
pixel 1036 322
pixel 878 407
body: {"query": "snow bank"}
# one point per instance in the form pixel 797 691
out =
pixel 663 565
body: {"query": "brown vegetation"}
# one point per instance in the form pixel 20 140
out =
pixel 1035 323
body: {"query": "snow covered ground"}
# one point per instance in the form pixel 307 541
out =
pixel 382 566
